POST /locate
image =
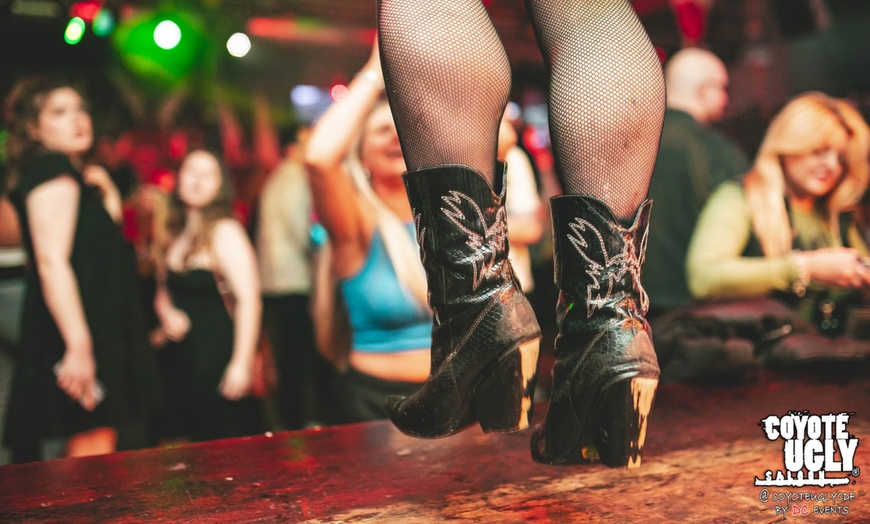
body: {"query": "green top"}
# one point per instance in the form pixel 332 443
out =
pixel 716 264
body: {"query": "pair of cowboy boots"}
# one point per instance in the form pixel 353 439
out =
pixel 485 337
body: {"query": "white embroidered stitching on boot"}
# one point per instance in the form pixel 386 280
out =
pixel 644 298
pixel 485 244
pixel 626 262
pixel 421 237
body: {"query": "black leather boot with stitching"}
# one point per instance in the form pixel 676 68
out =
pixel 606 371
pixel 485 336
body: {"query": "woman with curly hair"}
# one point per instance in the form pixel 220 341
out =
pixel 85 372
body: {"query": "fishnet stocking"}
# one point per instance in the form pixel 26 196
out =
pixel 448 80
pixel 607 98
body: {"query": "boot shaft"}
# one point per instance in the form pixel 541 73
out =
pixel 462 232
pixel 597 259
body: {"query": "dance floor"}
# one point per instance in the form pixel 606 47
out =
pixel 705 452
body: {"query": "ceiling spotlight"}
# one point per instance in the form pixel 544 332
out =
pixel 238 45
pixel 167 34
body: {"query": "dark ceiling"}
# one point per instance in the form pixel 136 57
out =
pixel 313 57
pixel 509 16
pixel 725 33
pixel 343 16
pixel 328 40
pixel 353 16
pixel 329 46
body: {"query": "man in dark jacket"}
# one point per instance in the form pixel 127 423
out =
pixel 692 160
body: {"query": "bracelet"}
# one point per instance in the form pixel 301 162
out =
pixel 373 77
pixel 799 286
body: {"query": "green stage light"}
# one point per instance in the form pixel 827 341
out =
pixel 74 31
pixel 164 47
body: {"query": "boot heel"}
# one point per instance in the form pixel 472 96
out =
pixel 625 409
pixel 503 400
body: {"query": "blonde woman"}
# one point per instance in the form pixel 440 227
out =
pixel 209 364
pixel 355 166
pixel 788 229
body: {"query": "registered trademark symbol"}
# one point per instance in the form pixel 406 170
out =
pixel 856 471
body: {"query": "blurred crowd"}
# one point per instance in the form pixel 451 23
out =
pixel 193 279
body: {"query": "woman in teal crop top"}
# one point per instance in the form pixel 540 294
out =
pixel 383 317
pixel 355 166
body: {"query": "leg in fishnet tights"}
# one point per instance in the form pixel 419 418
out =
pixel 448 80
pixel 607 98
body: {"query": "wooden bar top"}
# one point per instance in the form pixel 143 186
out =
pixel 704 450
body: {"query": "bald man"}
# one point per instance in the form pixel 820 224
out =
pixel 692 160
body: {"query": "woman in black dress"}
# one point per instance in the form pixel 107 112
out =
pixel 85 372
pixel 208 366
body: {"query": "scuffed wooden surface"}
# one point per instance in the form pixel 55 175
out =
pixel 704 450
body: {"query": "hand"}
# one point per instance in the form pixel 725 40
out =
pixel 99 177
pixel 372 71
pixel 96 175
pixel 157 338
pixel 837 266
pixel 237 380
pixel 77 377
pixel 174 323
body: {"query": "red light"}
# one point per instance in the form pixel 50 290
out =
pixel 85 10
pixel 178 146
pixel 165 180
pixel 692 21
pixel 272 27
pixel 338 91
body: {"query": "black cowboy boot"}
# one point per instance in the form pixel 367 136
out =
pixel 606 371
pixel 485 337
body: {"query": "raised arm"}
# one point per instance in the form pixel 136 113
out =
pixel 235 259
pixel 52 210
pixel 335 199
